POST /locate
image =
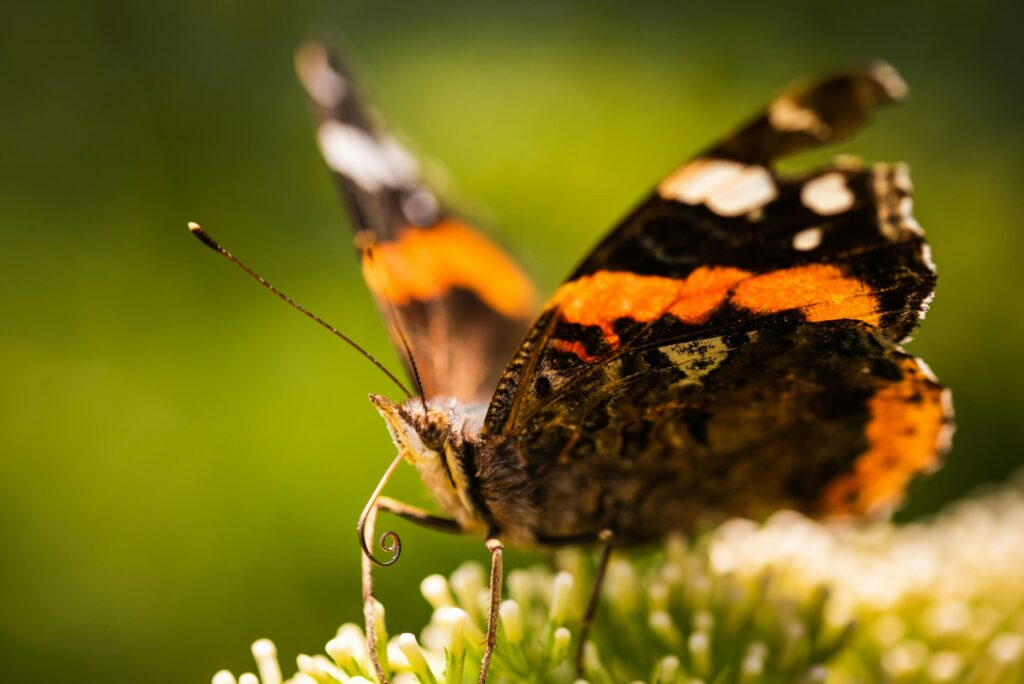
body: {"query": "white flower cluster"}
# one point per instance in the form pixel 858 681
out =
pixel 789 600
pixel 938 601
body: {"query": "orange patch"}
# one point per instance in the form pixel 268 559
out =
pixel 905 438
pixel 424 264
pixel 605 296
pixel 574 347
pixel 821 291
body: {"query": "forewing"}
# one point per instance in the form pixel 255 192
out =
pixel 725 238
pixel 460 301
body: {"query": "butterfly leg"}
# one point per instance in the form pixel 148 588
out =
pixel 605 537
pixel 496 548
pixel 418 515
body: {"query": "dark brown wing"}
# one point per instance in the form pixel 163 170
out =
pixel 727 247
pixel 826 418
pixel 462 302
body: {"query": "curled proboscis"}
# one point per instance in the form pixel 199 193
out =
pixel 389 542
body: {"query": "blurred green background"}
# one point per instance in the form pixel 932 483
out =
pixel 183 459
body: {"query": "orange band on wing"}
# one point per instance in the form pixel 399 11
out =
pixel 905 435
pixel 605 296
pixel 426 263
pixel 821 291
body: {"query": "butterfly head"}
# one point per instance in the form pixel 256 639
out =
pixel 435 438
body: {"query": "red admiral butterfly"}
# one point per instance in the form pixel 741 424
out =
pixel 729 349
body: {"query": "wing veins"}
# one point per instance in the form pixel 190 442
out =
pixel 709 333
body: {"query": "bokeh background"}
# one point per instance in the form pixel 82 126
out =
pixel 183 458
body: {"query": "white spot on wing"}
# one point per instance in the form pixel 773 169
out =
pixel 728 188
pixel 325 85
pixel 786 115
pixel 749 191
pixel 925 305
pixel 926 369
pixel 901 178
pixel 890 80
pixel 926 256
pixel 693 183
pixel 827 194
pixel 807 239
pixel 420 207
pixel 906 206
pixel 354 153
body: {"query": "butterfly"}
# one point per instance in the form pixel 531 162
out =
pixel 730 348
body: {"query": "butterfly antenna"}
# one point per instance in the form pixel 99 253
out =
pixel 205 238
pixel 412 359
pixel 402 338
pixel 390 542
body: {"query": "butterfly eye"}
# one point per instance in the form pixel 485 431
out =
pixel 433 432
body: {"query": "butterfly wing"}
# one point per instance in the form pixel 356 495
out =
pixel 461 302
pixel 732 345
